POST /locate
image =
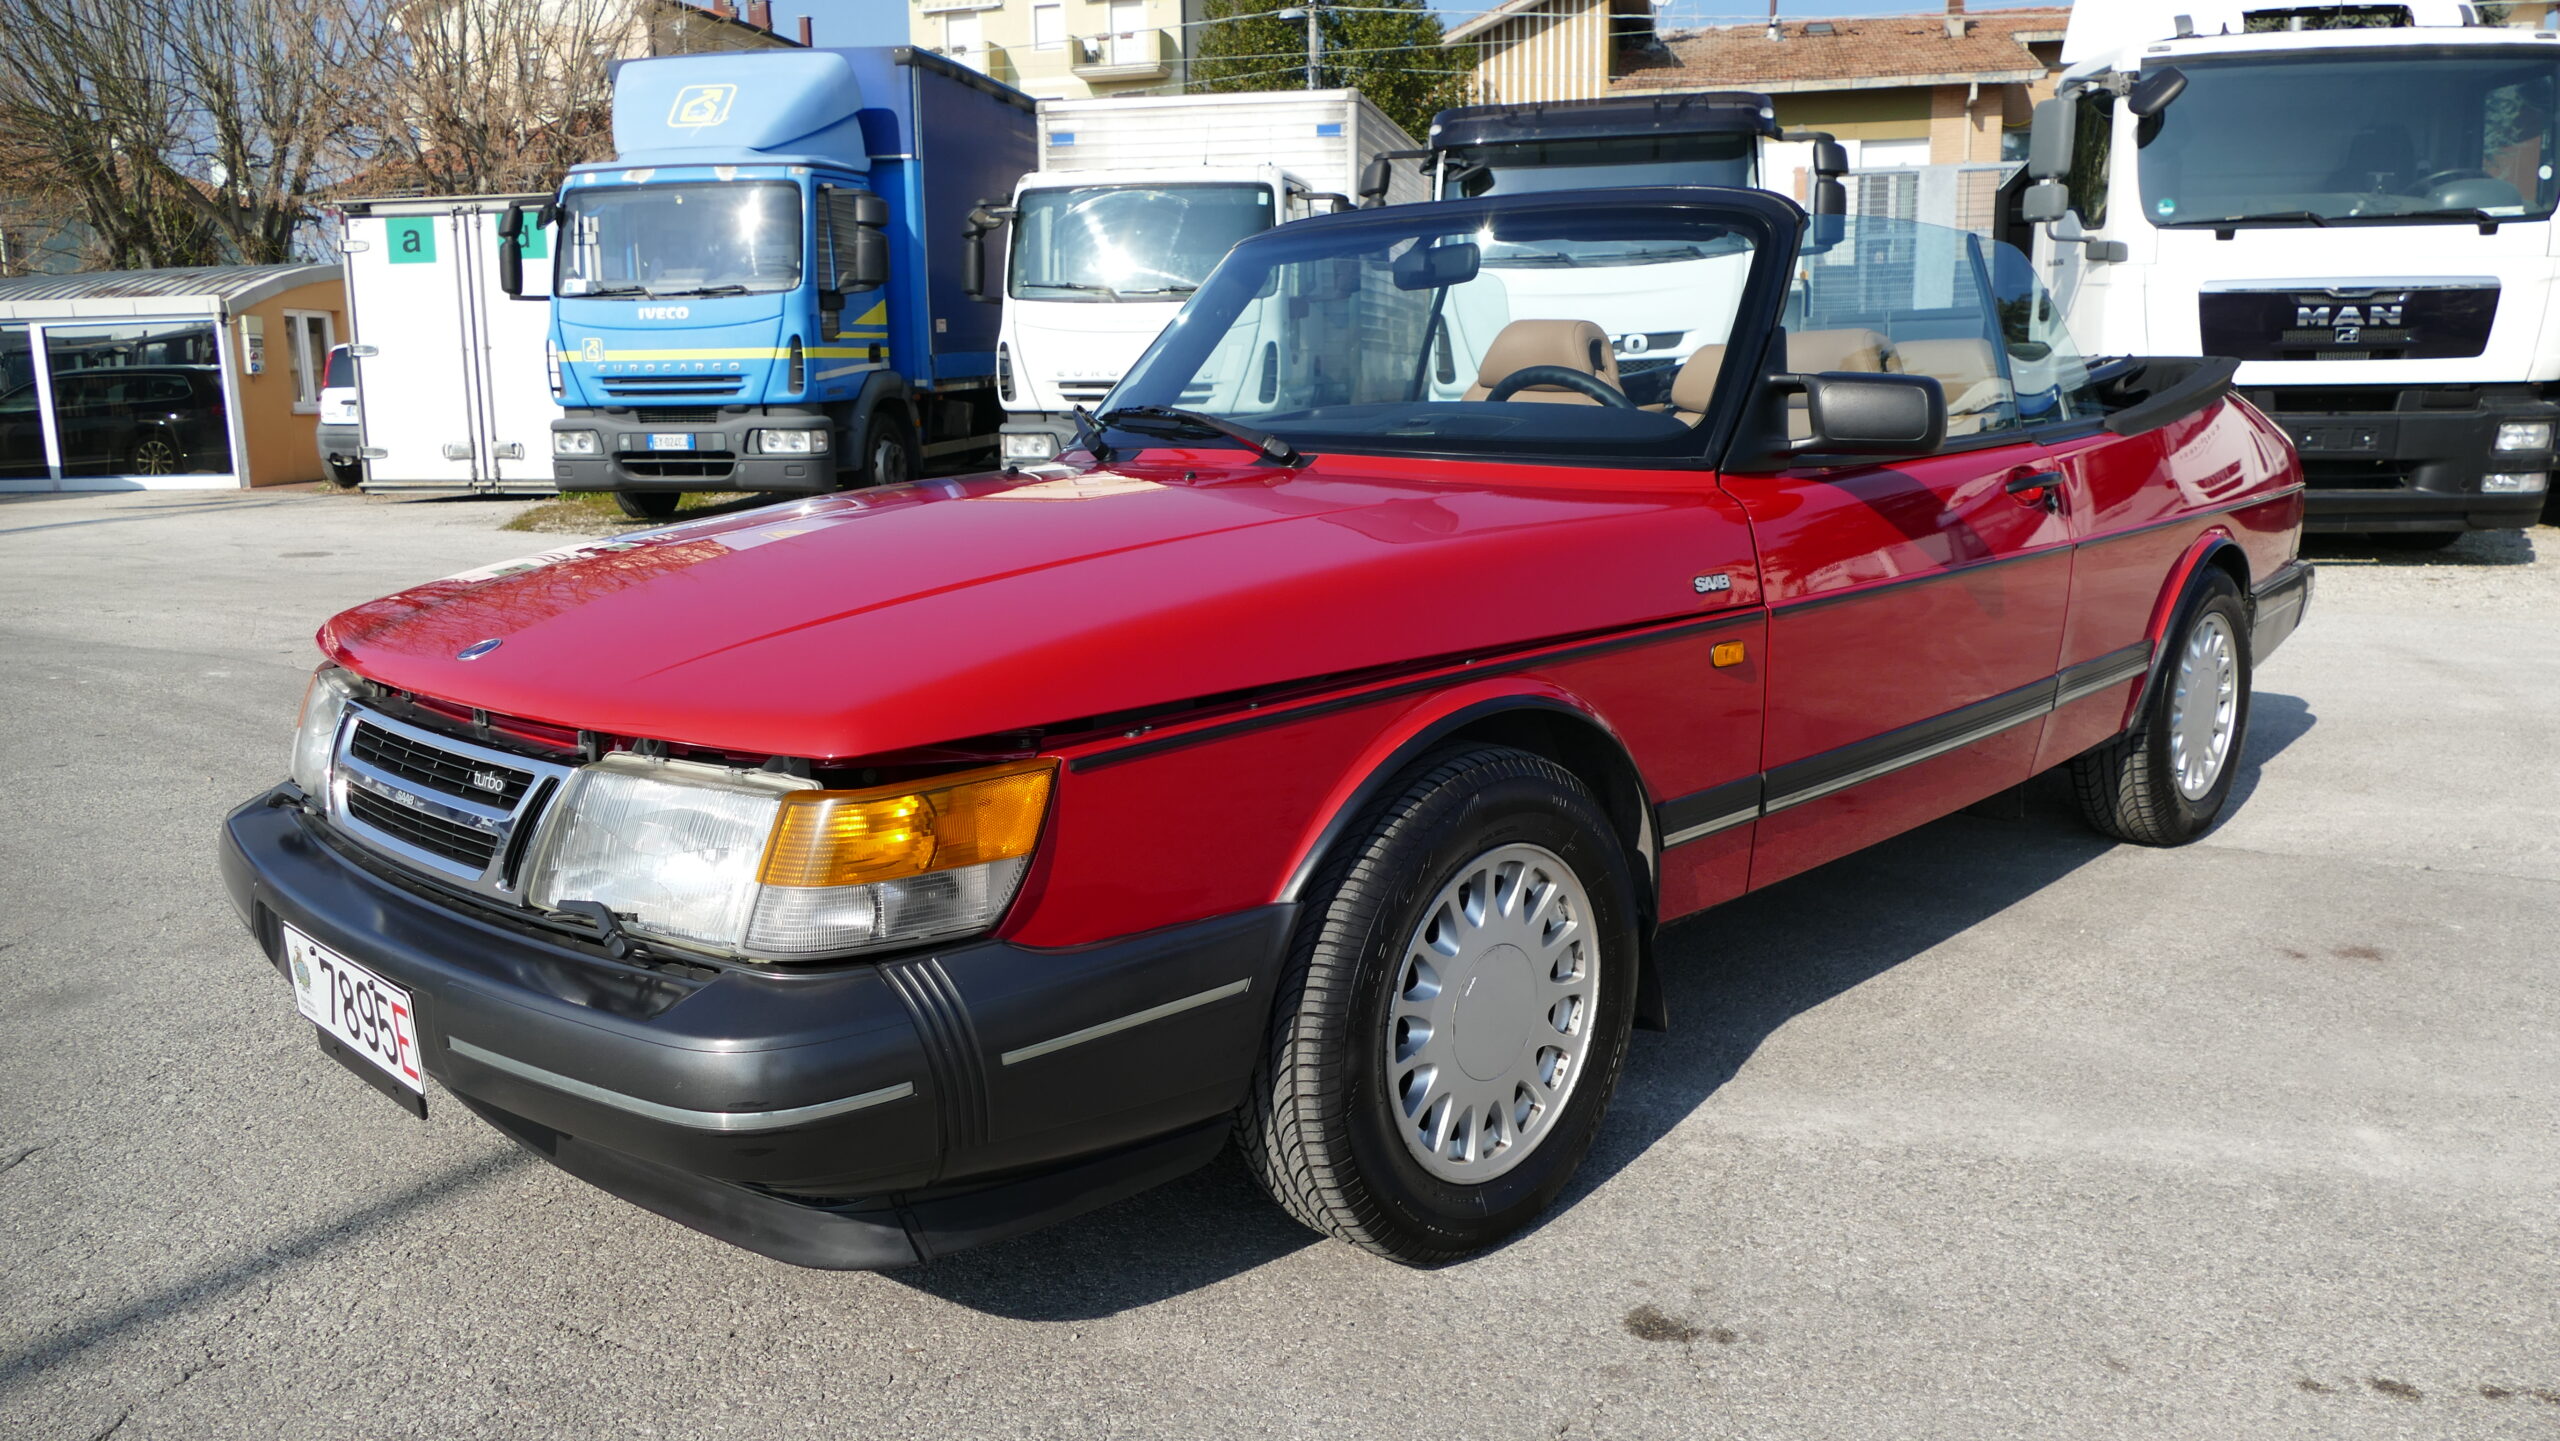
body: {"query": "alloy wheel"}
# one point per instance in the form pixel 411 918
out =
pixel 2204 706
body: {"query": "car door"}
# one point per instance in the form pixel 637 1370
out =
pixel 1917 608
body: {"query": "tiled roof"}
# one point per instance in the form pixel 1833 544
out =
pixel 1858 53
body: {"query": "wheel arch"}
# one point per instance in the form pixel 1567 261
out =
pixel 1543 720
pixel 2214 552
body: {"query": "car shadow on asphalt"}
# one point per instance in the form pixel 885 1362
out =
pixel 1734 975
pixel 2473 550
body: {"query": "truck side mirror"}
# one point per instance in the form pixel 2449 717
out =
pixel 869 209
pixel 511 250
pixel 865 259
pixel 2153 92
pixel 2051 141
pixel 1871 414
pixel 1830 157
pixel 2045 201
pixel 1373 182
pixel 985 220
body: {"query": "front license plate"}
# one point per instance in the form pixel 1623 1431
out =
pixel 670 442
pixel 370 1020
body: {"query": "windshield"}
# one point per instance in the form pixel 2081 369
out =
pixel 714 238
pixel 1129 242
pixel 1465 328
pixel 342 369
pixel 2333 136
pixel 1524 166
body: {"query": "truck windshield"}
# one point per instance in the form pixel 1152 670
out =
pixel 713 238
pixel 1469 328
pixel 1522 166
pixel 2367 136
pixel 1129 242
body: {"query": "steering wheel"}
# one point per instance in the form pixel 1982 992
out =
pixel 1563 375
pixel 2447 177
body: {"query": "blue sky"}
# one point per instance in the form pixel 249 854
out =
pixel 884 22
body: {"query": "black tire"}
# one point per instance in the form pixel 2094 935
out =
pixel 648 504
pixel 2128 788
pixel 1319 1130
pixel 889 454
pixel 2414 540
pixel 346 474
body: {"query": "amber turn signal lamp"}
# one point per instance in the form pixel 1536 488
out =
pixel 849 838
pixel 1727 652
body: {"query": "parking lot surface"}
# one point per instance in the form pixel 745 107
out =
pixel 1995 1130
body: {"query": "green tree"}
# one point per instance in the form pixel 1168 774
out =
pixel 1388 50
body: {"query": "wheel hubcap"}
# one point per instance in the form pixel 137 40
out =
pixel 2204 707
pixel 1491 1018
pixel 154 457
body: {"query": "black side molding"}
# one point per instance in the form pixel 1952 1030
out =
pixel 2277 607
pixel 2154 390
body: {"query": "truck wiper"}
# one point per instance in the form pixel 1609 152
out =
pixel 2304 217
pixel 1271 446
pixel 1164 290
pixel 1085 286
pixel 704 290
pixel 610 290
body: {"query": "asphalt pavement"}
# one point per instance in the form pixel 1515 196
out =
pixel 1995 1130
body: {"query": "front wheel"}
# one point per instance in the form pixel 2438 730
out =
pixel 2165 781
pixel 648 504
pixel 890 457
pixel 1454 1014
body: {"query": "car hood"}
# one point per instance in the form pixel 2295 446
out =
pixel 878 621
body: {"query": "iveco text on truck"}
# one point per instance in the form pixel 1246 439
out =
pixel 2355 207
pixel 762 290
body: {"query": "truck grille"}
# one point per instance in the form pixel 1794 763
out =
pixel 640 385
pixel 664 465
pixel 1085 392
pixel 438 803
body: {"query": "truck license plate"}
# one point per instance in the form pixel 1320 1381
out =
pixel 369 1018
pixel 670 442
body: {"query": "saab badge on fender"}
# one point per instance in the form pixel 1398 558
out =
pixel 477 649
pixel 1711 584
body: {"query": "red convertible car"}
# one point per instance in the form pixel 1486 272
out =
pixel 1454 595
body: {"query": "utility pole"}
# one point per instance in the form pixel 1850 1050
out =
pixel 1315 39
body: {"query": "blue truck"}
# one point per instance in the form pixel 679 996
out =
pixel 769 287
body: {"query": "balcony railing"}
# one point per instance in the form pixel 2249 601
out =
pixel 991 60
pixel 1129 55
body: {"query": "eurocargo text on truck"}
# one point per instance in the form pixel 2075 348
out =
pixel 1135 199
pixel 2354 203
pixel 762 290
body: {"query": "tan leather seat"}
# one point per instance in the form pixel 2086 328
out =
pixel 1812 351
pixel 1573 344
pixel 1969 372
pixel 1695 385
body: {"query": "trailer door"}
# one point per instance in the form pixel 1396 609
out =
pixel 406 297
pixel 512 404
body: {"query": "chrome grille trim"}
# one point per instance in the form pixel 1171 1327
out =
pixel 498 821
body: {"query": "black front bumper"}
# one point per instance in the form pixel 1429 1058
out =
pixel 628 457
pixel 2390 458
pixel 854 1116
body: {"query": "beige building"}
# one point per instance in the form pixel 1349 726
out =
pixel 1063 49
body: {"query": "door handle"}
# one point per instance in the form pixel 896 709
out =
pixel 2037 487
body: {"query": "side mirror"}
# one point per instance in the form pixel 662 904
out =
pixel 2051 141
pixel 865 260
pixel 1373 182
pixel 2153 92
pixel 1830 157
pixel 2044 202
pixel 986 219
pixel 869 209
pixel 511 249
pixel 1872 414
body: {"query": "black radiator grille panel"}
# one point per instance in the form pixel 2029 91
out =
pixel 459 844
pixel 437 770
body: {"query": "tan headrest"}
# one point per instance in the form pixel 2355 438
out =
pixel 1957 363
pixel 1695 385
pixel 1812 351
pixel 1573 344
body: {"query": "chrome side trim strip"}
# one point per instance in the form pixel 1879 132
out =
pixel 1958 741
pixel 2103 673
pixel 1123 1023
pixel 677 1115
pixel 1707 828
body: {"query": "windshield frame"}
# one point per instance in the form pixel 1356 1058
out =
pixel 569 248
pixel 1015 249
pixel 1468 157
pixel 2536 209
pixel 1772 224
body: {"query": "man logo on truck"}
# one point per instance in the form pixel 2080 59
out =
pixel 698 106
pixel 2321 317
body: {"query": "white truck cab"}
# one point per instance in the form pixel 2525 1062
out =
pixel 2352 201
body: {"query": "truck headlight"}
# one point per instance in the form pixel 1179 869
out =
pixel 575 442
pixel 1027 444
pixel 315 739
pixel 755 864
pixel 2524 435
pixel 787 442
pixel 2514 482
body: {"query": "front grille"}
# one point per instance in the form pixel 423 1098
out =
pixel 676 415
pixel 2423 321
pixel 704 465
pixel 1085 392
pixel 435 769
pixel 630 385
pixel 459 844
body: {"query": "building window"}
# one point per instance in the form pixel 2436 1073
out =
pixel 964 39
pixel 1048 26
pixel 308 335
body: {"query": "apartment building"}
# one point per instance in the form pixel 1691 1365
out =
pixel 1064 49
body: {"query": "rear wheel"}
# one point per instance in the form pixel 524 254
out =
pixel 1454 1013
pixel 346 474
pixel 154 454
pixel 648 504
pixel 2165 781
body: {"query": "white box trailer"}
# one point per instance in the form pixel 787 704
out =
pixel 1134 202
pixel 453 385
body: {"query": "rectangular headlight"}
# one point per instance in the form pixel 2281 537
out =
pixel 2524 435
pixel 574 442
pixel 1027 444
pixel 788 442
pixel 763 865
pixel 2514 482
pixel 315 740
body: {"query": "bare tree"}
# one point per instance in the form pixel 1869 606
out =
pixel 88 112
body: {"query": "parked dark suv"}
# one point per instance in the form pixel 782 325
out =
pixel 122 420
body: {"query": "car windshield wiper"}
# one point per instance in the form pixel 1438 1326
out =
pixel 1270 446
pixel 2275 217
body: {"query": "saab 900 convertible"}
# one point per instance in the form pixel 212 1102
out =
pixel 1454 595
